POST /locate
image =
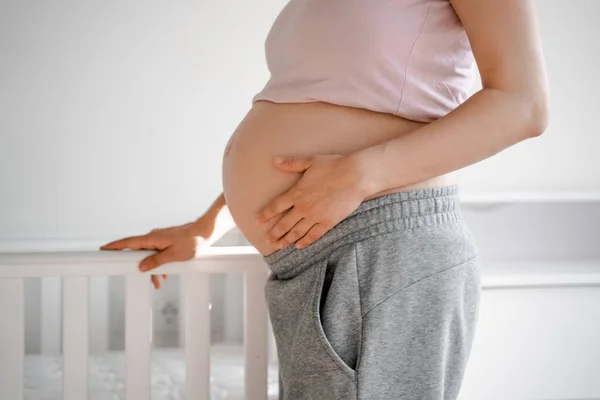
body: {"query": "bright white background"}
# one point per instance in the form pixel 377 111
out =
pixel 114 115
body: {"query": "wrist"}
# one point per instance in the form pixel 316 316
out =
pixel 368 163
pixel 203 226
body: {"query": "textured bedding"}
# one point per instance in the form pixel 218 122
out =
pixel 106 381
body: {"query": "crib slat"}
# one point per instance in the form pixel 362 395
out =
pixel 99 325
pixel 234 307
pixel 75 338
pixel 12 338
pixel 182 311
pixel 138 329
pixel 255 335
pixel 51 316
pixel 196 292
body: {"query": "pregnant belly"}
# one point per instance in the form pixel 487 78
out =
pixel 250 180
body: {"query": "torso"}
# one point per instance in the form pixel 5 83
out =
pixel 250 180
pixel 345 75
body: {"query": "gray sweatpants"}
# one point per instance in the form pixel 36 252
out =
pixel 383 306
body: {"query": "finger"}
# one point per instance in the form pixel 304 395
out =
pixel 298 231
pixel 276 207
pixel 155 281
pixel 165 276
pixel 132 242
pixel 284 225
pixel 312 236
pixel 163 257
pixel 293 164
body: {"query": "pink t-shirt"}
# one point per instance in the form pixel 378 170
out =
pixel 409 58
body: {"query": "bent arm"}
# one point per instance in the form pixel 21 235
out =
pixel 217 206
pixel 214 223
pixel 511 107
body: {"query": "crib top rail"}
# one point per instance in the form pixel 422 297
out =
pixel 218 259
pixel 240 259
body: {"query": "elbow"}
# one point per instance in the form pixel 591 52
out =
pixel 538 119
pixel 536 114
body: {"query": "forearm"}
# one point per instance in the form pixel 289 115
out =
pixel 487 123
pixel 217 206
pixel 215 222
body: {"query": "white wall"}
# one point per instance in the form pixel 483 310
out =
pixel 113 116
pixel 565 158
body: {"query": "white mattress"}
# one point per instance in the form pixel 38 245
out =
pixel 43 375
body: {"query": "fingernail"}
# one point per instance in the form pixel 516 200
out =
pixel 278 160
pixel 269 241
pixel 143 267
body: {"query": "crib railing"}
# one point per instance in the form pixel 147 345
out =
pixel 75 269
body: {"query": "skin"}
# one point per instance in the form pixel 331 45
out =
pixel 320 188
pixel 251 180
pixel 511 107
pixel 177 243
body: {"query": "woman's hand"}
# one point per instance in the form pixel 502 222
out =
pixel 331 188
pixel 179 243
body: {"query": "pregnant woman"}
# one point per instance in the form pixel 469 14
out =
pixel 343 176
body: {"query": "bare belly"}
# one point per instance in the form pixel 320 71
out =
pixel 250 179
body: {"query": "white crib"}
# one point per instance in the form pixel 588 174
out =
pixel 527 309
pixel 74 268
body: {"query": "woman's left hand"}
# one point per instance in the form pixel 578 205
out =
pixel 330 189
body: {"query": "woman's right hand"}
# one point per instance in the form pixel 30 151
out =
pixel 178 243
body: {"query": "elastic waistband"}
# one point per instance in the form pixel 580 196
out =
pixel 387 213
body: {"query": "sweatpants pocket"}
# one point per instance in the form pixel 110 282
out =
pixel 337 309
